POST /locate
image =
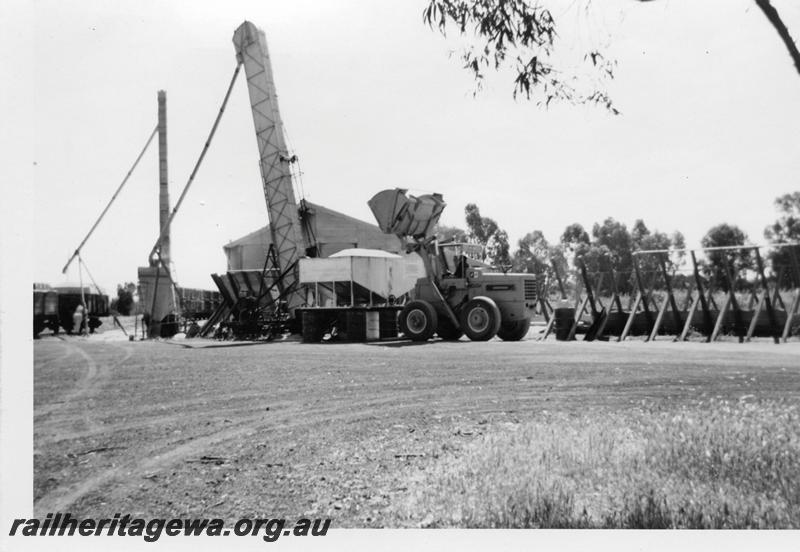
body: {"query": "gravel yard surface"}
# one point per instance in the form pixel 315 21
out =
pixel 218 429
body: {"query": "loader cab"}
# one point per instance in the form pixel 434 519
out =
pixel 456 258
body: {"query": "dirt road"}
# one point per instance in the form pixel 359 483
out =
pixel 283 429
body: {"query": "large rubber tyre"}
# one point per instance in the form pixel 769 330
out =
pixel 447 331
pixel 418 320
pixel 480 319
pixel 514 330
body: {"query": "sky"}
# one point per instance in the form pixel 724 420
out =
pixel 372 99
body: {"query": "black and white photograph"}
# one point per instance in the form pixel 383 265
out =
pixel 400 274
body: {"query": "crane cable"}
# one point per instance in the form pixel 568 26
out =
pixel 296 174
pixel 81 262
pixel 119 188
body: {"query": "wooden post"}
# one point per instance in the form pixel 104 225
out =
pixel 796 300
pixel 675 314
pixel 710 296
pixel 632 314
pixel 578 295
pixel 753 299
pixel 602 327
pixel 643 293
pixel 776 295
pixel 756 314
pixel 578 315
pixel 599 316
pixel 598 287
pixel 558 279
pixel 773 322
pixel 548 328
pixel 614 301
pixel 738 323
pixel 588 285
pixel 661 310
pixel 689 299
pixel 615 283
pixel 720 318
pixel 543 304
pixel 795 266
pixel 690 315
pixel 790 315
pixel 545 292
pixel 709 325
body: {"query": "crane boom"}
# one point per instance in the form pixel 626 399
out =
pixel 287 237
pixel 113 197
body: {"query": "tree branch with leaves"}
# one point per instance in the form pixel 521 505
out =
pixel 520 35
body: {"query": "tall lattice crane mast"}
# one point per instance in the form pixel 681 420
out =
pixel 287 237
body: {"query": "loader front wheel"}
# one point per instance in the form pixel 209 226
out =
pixel 514 330
pixel 418 320
pixel 480 319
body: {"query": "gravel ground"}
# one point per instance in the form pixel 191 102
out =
pixel 218 429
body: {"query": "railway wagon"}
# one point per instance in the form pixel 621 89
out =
pixel 45 309
pixel 69 297
pixel 198 304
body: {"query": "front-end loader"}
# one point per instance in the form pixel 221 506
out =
pixel 458 295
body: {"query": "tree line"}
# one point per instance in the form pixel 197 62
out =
pixel 610 245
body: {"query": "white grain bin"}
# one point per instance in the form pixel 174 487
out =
pixel 359 276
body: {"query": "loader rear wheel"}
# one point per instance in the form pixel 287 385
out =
pixel 418 320
pixel 447 331
pixel 514 330
pixel 480 319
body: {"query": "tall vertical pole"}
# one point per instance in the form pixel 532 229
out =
pixel 163 177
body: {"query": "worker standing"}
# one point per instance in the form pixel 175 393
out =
pixel 78 319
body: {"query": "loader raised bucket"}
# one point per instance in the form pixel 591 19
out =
pixel 406 215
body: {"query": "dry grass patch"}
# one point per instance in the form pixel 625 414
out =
pixel 711 465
